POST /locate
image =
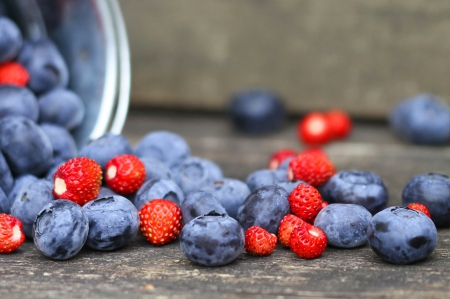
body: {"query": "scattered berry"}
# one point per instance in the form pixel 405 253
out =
pixel 287 225
pixel 125 174
pixel 160 221
pixel 259 242
pixel 305 202
pixel 419 207
pixel 308 241
pixel 78 179
pixel 154 189
pixel 200 203
pixel 13 73
pixel 315 169
pixel 340 123
pixel 314 129
pixel 279 157
pixel 11 235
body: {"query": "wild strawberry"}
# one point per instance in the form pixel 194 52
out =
pixel 11 234
pixel 287 225
pixel 259 242
pixel 311 168
pixel 314 129
pixel 79 180
pixel 125 174
pixel 13 73
pixel 419 207
pixel 339 122
pixel 305 202
pixel 279 156
pixel 160 221
pixel 308 241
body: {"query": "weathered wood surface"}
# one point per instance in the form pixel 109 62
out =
pixel 141 270
pixel 361 56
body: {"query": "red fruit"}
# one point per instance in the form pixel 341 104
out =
pixel 314 169
pixel 79 180
pixel 279 156
pixel 340 123
pixel 160 221
pixel 308 241
pixel 125 174
pixel 314 129
pixel 13 73
pixel 419 207
pixel 11 234
pixel 305 202
pixel 259 242
pixel 287 225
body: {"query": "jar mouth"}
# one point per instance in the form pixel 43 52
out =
pixel 92 38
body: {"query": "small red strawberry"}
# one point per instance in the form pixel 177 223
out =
pixel 125 174
pixel 419 207
pixel 287 225
pixel 279 156
pixel 308 241
pixel 11 234
pixel 314 129
pixel 259 241
pixel 305 202
pixel 79 180
pixel 160 221
pixel 340 123
pixel 13 73
pixel 314 169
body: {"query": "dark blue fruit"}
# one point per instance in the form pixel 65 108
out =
pixel 357 187
pixel 26 147
pixel 231 194
pixel 4 202
pixel 256 111
pixel 113 222
pixel 17 100
pixel 265 177
pixel 421 119
pixel 10 39
pixel 433 191
pixel 20 182
pixel 44 63
pixel 158 189
pixel 401 235
pixel 167 147
pixel 6 177
pixel 156 170
pixel 30 201
pixel 61 107
pixel 200 203
pixel 212 240
pixel 63 143
pixel 61 229
pixel 291 185
pixel 106 192
pixel 345 225
pixel 264 207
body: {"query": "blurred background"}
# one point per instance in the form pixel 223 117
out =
pixel 360 56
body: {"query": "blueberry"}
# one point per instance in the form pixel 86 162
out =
pixel 167 147
pixel 63 143
pixel 264 177
pixel 45 64
pixel 264 207
pixel 6 177
pixel 345 225
pixel 421 119
pixel 289 186
pixel 26 147
pixel 212 240
pixel 4 202
pixel 357 187
pixel 106 192
pixel 256 111
pixel 156 170
pixel 113 222
pixel 20 182
pixel 200 203
pixel 433 191
pixel 10 39
pixel 18 101
pixel 401 235
pixel 105 148
pixel 231 194
pixel 30 201
pixel 61 107
pixel 162 189
pixel 196 172
pixel 60 229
